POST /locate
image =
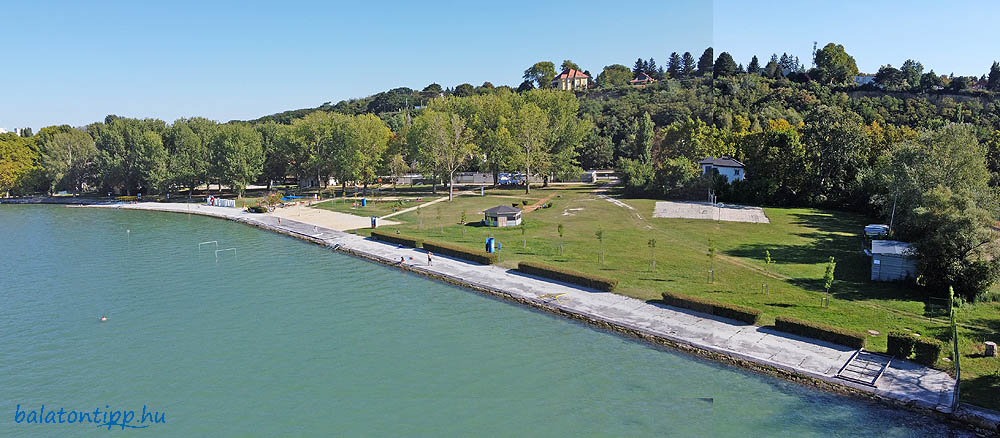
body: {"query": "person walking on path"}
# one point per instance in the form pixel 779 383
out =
pixel 429 254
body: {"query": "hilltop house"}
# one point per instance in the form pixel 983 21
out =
pixel 570 80
pixel 725 166
pixel 641 79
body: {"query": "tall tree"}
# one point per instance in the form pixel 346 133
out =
pixel 754 66
pixel 688 66
pixel 569 65
pixel 242 154
pixel 531 130
pixel 615 75
pixel 17 158
pixel 834 65
pixel 69 159
pixel 705 62
pixel 724 66
pixel 674 65
pixel 541 74
pixel 912 71
pixel 445 143
pixel 639 67
pixel 360 145
pixel 188 156
pixel 993 83
pixel 276 143
pixel 132 155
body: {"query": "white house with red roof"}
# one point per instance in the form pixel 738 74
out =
pixel 725 166
pixel 571 79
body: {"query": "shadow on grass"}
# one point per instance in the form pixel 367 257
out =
pixel 982 391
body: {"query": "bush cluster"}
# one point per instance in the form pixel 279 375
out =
pixel 900 344
pixel 257 209
pixel 926 350
pixel 568 276
pixel 745 314
pixel 399 239
pixel 461 252
pixel 822 332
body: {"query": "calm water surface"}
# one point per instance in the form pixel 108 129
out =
pixel 291 339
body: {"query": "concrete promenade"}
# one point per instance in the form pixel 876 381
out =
pixel 904 382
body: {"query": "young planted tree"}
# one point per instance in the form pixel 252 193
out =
pixel 711 261
pixel 652 256
pixel 600 238
pixel 463 223
pixel 767 270
pixel 524 238
pixel 831 265
pixel 559 228
pixel 437 211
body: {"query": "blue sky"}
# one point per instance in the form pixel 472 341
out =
pixel 65 62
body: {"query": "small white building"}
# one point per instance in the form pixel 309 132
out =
pixel 502 216
pixel 728 167
pixel 893 261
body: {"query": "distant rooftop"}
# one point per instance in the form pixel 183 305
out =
pixel 892 247
pixel 721 162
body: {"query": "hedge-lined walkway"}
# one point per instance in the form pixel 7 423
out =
pixel 903 381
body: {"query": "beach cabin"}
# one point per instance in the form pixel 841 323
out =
pixel 725 166
pixel 893 261
pixel 502 216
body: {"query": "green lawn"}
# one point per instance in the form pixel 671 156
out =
pixel 376 206
pixel 800 242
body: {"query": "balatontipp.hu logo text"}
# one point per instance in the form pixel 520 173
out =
pixel 125 419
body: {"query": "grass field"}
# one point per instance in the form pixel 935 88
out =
pixel 800 242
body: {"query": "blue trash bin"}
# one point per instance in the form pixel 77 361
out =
pixel 364 202
pixel 374 221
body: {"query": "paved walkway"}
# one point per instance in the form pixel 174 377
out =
pixel 903 381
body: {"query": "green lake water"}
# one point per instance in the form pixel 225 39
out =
pixel 287 338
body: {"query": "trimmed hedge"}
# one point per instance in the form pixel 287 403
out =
pixel 822 332
pixel 900 344
pixel 461 252
pixel 740 313
pixel 568 276
pixel 926 350
pixel 399 239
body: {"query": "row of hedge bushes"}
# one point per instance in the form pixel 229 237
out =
pixel 448 249
pixel 926 350
pixel 740 313
pixel 399 239
pixel 569 276
pixel 822 332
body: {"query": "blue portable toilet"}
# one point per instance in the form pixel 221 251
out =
pixel 364 202
pixel 374 221
pixel 490 244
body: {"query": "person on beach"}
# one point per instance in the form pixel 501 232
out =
pixel 402 260
pixel 429 254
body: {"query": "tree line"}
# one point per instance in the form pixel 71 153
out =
pixel 808 137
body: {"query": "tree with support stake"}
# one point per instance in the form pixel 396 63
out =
pixel 559 228
pixel 600 238
pixel 652 256
pixel 524 239
pixel 711 261
pixel 463 223
pixel 831 265
pixel 767 271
